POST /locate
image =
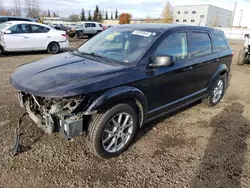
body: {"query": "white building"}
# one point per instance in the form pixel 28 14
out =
pixel 203 15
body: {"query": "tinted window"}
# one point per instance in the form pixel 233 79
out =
pixel 39 29
pixel 200 44
pixel 2 20
pixel 175 45
pixel 88 25
pixel 93 25
pixel 219 44
pixel 20 28
pixel 15 19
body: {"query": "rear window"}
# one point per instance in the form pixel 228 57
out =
pixel 3 25
pixel 100 25
pixel 219 44
pixel 39 29
pixel 200 44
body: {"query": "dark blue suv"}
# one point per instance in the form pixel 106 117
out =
pixel 15 18
pixel 123 78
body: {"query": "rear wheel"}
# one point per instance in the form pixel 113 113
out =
pixel 111 132
pixel 79 34
pixel 217 93
pixel 53 48
pixel 242 57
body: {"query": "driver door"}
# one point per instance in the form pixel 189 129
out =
pixel 19 39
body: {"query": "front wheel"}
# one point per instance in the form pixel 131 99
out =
pixel 217 93
pixel 111 132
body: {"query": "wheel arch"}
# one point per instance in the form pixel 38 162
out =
pixel 221 70
pixel 122 94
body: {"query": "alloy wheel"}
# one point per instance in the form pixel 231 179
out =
pixel 117 132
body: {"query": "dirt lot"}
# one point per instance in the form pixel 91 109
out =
pixel 198 147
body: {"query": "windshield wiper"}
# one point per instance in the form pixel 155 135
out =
pixel 95 55
pixel 100 56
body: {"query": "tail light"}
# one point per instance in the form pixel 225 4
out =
pixel 65 35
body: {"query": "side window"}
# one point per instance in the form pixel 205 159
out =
pixel 93 25
pixel 219 43
pixel 20 28
pixel 200 44
pixel 39 29
pixel 175 45
pixel 2 20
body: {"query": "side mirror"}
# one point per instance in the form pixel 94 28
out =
pixel 163 61
pixel 7 32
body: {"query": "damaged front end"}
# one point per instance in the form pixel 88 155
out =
pixel 54 114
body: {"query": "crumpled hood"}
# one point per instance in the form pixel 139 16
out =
pixel 63 75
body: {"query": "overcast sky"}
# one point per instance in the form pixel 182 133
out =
pixel 138 8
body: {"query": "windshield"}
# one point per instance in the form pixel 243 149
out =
pixel 3 25
pixel 121 45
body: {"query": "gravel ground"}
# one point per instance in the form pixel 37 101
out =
pixel 197 147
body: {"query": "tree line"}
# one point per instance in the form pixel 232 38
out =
pixel 97 15
pixel 31 8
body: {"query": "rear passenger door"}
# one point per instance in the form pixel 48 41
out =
pixel 204 62
pixel 40 37
pixel 221 49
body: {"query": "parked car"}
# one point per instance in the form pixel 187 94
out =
pixel 26 36
pixel 122 79
pixel 244 55
pixel 15 18
pixel 60 27
pixel 86 28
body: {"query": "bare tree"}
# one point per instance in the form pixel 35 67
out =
pixel 167 13
pixel 32 8
pixel 74 18
pixel 16 10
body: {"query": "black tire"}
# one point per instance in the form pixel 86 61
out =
pixel 209 100
pixel 71 35
pixel 242 58
pixel 53 48
pixel 79 35
pixel 98 124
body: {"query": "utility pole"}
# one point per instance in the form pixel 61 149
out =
pixel 240 18
pixel 232 21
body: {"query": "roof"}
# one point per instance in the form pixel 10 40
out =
pixel 164 27
pixel 201 5
pixel 17 17
pixel 24 22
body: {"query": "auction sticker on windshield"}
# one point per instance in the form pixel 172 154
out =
pixel 142 33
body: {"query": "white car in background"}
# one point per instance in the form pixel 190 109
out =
pixel 20 36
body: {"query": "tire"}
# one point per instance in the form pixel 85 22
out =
pixel 79 35
pixel 242 58
pixel 103 134
pixel 71 35
pixel 212 100
pixel 53 48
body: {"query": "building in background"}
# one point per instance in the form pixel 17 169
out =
pixel 203 15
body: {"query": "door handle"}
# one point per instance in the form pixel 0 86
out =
pixel 188 68
pixel 48 36
pixel 26 37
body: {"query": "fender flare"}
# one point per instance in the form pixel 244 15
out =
pixel 119 94
pixel 220 70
